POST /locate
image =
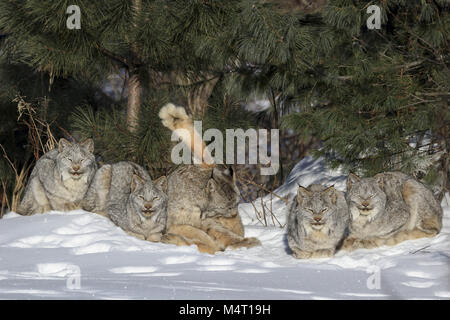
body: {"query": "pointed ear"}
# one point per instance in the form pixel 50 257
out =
pixel 88 144
pixel 136 182
pixel 211 186
pixel 161 183
pixel 352 179
pixel 302 193
pixel 63 143
pixel 379 179
pixel 331 192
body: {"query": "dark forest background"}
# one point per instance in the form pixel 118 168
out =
pixel 365 100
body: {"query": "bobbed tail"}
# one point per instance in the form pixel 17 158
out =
pixel 176 118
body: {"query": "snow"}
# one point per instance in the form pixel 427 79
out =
pixel 81 255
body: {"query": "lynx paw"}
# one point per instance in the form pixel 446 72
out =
pixel 324 253
pixel 247 243
pixel 302 254
pixel 353 244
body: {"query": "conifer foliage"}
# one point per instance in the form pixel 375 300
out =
pixel 378 99
pixel 368 99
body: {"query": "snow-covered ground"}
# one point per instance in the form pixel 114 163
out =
pixel 80 255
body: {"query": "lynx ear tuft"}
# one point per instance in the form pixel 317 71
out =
pixel 352 179
pixel 63 143
pixel 88 144
pixel 302 193
pixel 136 183
pixel 161 183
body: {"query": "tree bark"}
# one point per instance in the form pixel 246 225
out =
pixel 134 100
pixel 134 83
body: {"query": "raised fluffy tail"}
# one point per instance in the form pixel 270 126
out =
pixel 176 118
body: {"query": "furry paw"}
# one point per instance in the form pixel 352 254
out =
pixel 348 244
pixel 154 237
pixel 324 253
pixel 247 243
pixel 301 254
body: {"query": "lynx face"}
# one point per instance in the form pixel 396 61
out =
pixel 317 207
pixel 148 198
pixel 76 161
pixel 222 190
pixel 365 198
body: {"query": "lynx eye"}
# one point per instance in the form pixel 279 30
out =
pixel 324 210
pixel 69 159
pixel 142 197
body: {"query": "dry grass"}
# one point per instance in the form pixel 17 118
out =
pixel 19 185
pixel 265 215
pixel 38 129
pixel 41 139
pixel 3 199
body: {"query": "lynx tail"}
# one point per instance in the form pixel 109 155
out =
pixel 175 118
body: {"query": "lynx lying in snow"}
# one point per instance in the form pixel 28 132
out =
pixel 60 178
pixel 389 208
pixel 317 222
pixel 125 193
pixel 202 207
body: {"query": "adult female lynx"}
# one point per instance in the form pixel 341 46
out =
pixel 389 208
pixel 60 178
pixel 203 199
pixel 317 221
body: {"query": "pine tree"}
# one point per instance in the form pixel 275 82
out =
pixel 113 35
pixel 378 99
pixel 165 50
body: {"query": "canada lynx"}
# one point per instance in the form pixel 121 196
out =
pixel 125 193
pixel 389 208
pixel 60 178
pixel 317 222
pixel 202 206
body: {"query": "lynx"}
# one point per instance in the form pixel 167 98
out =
pixel 389 208
pixel 125 193
pixel 317 221
pixel 60 178
pixel 203 199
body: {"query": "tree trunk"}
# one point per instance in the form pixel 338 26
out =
pixel 198 97
pixel 134 83
pixel 134 100
pixel 198 90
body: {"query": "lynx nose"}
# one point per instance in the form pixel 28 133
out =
pixel 317 219
pixel 365 203
pixel 76 167
pixel 148 206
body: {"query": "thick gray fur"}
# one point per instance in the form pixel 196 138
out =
pixel 317 222
pixel 198 193
pixel 389 208
pixel 60 178
pixel 125 193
